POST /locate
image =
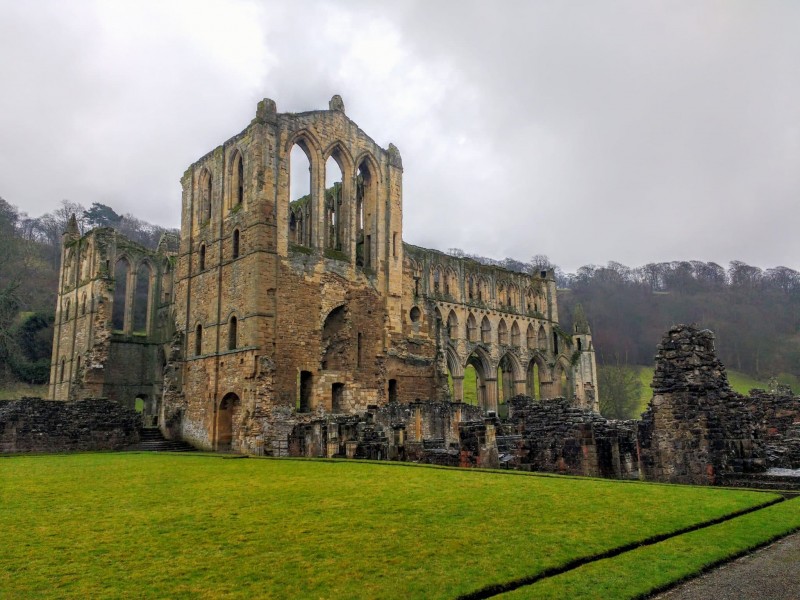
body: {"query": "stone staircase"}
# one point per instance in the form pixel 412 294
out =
pixel 787 484
pixel 152 440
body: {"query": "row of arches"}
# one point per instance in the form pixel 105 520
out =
pixel 233 336
pixel 535 338
pixel 480 381
pixel 333 199
pixel 482 289
pixel 206 188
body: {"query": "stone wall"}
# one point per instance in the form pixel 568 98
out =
pixel 696 428
pixel 776 417
pixel 36 425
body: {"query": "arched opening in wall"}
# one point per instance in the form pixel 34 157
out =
pixel 562 380
pixel 505 385
pixel 335 343
pixel 541 339
pixel 534 382
pixel 83 304
pixel 198 340
pixel 393 390
pixel 300 209
pixel 366 206
pixel 555 342
pixel 452 325
pixel 337 398
pixel 166 281
pixel 235 244
pixel 502 333
pixel 486 331
pixel 472 328
pixel 66 309
pixel 334 210
pixel 580 345
pixel 500 297
pixel 228 410
pixel 138 404
pixel 470 288
pixel 515 336
pixel 530 337
pixel 202 258
pixel 233 333
pixel 141 299
pixel 436 284
pixel 61 374
pixel 77 369
pixel 306 386
pixel 118 310
pixel 206 194
pixel 237 180
pixel 475 393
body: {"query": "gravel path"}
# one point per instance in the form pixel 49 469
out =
pixel 772 573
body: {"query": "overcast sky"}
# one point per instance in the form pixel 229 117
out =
pixel 588 131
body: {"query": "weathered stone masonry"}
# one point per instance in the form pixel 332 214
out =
pixel 270 311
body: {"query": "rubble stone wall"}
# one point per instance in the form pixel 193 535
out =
pixel 36 425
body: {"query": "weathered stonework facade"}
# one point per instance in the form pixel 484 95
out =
pixel 271 311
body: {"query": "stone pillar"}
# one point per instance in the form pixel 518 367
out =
pixel 458 389
pixel 490 395
pixel 520 387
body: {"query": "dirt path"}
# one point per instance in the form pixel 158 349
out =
pixel 772 573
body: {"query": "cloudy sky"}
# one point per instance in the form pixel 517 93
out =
pixel 588 131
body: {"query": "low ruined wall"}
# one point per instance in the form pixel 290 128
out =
pixel 777 420
pixel 555 436
pixel 35 425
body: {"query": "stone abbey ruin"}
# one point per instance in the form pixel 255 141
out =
pixel 269 310
pixel 275 326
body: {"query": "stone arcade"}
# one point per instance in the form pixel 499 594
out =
pixel 270 312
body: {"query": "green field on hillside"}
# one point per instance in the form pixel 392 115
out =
pixel 16 390
pixel 157 525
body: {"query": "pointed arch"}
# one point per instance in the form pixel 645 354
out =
pixel 480 362
pixel 452 325
pixel 502 333
pixel 233 333
pixel 538 376
pixel 530 337
pixel 562 378
pixel 541 339
pixel 236 178
pixel 367 178
pixel 119 309
pixel 206 190
pixel 486 330
pixel 453 361
pixel 515 335
pixel 472 328
pixel 142 297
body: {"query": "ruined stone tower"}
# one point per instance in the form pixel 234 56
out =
pixel 272 308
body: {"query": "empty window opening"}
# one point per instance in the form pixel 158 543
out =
pixel 414 314
pixel 366 193
pixel 300 201
pixel 61 375
pixel 555 342
pixel 542 339
pixel 198 340
pixel 83 304
pixel 394 245
pixel 206 189
pixel 515 336
pixel 141 299
pixel 393 390
pixel 534 387
pixel 306 386
pixel 202 257
pixel 452 325
pixel 337 397
pixel 120 295
pixel 580 345
pixel 237 185
pixel 66 309
pixel 359 351
pixel 530 337
pixel 334 217
pixel 232 333
pixel 235 243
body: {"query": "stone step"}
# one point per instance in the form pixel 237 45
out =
pixel 152 440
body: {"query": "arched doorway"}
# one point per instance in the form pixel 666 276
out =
pixel 228 409
pixel 485 389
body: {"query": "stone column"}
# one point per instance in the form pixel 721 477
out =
pixel 490 395
pixel 458 389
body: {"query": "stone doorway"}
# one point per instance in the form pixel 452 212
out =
pixel 228 407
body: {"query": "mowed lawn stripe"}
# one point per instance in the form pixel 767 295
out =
pixel 647 570
pixel 105 525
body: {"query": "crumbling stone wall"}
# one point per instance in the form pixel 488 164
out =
pixel 556 436
pixel 776 417
pixel 36 425
pixel 696 428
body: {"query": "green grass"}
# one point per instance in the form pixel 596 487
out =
pixel 14 391
pixel 652 568
pixel 155 525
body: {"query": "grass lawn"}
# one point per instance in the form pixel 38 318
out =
pixel 16 390
pixel 159 525
pixel 650 569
